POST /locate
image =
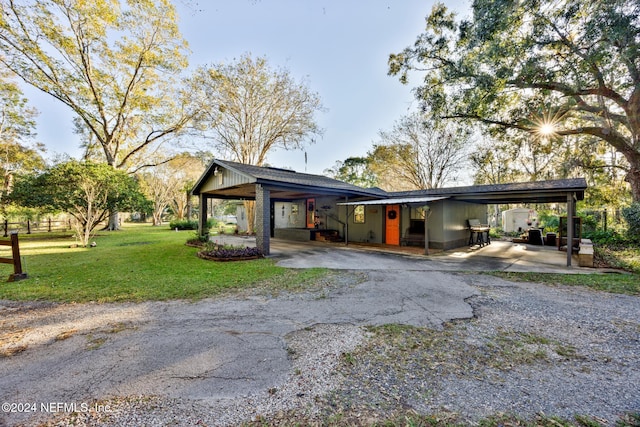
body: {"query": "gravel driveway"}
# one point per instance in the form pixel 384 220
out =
pixel 476 346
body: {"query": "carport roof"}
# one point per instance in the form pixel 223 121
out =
pixel 551 191
pixel 283 183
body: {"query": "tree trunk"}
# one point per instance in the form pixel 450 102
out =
pixel 633 177
pixel 250 209
pixel 114 220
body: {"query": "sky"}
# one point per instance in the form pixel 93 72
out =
pixel 338 47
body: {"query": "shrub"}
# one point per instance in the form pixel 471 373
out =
pixel 216 250
pixel 608 237
pixel 183 224
pixel 549 221
pixel 632 216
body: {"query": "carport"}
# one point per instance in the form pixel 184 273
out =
pixel 559 191
pixel 266 185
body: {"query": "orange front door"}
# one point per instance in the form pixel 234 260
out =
pixel 311 213
pixel 392 229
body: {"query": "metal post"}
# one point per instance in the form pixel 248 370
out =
pixel 569 228
pixel 346 222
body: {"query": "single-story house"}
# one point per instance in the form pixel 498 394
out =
pixel 301 206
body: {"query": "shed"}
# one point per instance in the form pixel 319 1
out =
pixel 519 219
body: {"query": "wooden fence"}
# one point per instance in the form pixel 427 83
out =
pixel 18 274
pixel 30 227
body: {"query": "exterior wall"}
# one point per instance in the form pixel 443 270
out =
pixel 289 214
pixel 434 224
pixel 455 227
pixel 448 227
pixel 223 179
pixel 372 231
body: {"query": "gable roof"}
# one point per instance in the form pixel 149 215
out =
pixel 288 179
pixel 291 184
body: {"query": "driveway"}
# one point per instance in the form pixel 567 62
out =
pixel 218 352
pixel 210 351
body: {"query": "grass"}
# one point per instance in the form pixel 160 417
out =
pixel 139 263
pixel 614 283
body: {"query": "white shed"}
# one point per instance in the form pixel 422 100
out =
pixel 519 219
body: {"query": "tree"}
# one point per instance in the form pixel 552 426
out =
pixel 87 191
pixel 253 109
pixel 559 68
pixel 16 129
pixel 419 153
pixel 169 185
pixel 354 170
pixel 114 63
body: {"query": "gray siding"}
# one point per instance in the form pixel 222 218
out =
pixel 225 178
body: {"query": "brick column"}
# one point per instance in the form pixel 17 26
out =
pixel 263 218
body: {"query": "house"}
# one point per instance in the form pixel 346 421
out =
pixel 300 206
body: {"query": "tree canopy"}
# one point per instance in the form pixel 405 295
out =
pixel 17 153
pixel 252 109
pixel 112 62
pixel 420 153
pixel 549 69
pixel 85 190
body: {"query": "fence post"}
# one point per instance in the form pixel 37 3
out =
pixel 28 227
pixel 6 228
pixel 49 225
pixel 17 262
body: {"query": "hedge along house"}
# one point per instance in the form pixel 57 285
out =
pixel 297 206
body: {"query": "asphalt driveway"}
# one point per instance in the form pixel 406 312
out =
pixel 219 350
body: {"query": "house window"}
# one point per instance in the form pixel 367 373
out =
pixel 358 214
pixel 417 213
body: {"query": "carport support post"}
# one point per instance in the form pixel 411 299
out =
pixel 202 215
pixel 570 208
pixel 263 219
pixel 426 230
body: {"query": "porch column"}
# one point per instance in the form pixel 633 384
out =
pixel 202 214
pixel 570 209
pixel 426 230
pixel 263 218
pixel 346 222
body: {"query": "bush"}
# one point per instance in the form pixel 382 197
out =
pixel 549 221
pixel 183 224
pixel 606 238
pixel 632 216
pixel 216 250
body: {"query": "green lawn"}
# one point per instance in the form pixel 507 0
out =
pixel 139 263
pixel 627 283
pixel 142 262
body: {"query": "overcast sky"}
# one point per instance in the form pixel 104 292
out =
pixel 340 48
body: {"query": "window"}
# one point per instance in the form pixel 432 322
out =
pixel 417 213
pixel 358 214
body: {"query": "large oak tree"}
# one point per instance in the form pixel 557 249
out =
pixel 114 63
pixel 551 68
